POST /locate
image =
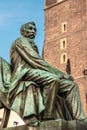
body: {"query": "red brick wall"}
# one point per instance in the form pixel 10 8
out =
pixel 74 13
pixel 50 2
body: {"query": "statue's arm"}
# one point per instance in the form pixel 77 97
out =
pixel 34 59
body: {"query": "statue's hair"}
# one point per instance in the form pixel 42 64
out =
pixel 24 27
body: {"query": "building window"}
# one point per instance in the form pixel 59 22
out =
pixel 63 58
pixel 86 97
pixel 63 43
pixel 60 0
pixel 64 27
pixel 85 71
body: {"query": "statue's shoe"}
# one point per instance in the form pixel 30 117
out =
pixel 31 120
pixel 35 124
pixel 83 120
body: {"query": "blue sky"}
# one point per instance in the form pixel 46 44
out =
pixel 14 13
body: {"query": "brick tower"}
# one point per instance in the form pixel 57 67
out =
pixel 65 44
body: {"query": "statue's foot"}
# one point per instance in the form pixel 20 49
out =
pixel 31 120
pixel 47 119
pixel 84 120
pixel 34 124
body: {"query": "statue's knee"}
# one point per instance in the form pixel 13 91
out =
pixel 75 86
pixel 71 85
pixel 56 80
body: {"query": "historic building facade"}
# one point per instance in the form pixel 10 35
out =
pixel 65 44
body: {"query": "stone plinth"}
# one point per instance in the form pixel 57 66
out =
pixel 53 125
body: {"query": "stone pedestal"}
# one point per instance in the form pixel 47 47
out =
pixel 53 125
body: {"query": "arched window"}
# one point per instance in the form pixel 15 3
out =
pixel 63 43
pixel 64 27
pixel 63 58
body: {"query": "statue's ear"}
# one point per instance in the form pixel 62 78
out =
pixel 23 32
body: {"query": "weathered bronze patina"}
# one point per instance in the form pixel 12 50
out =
pixel 33 88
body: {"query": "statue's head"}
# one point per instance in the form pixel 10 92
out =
pixel 28 30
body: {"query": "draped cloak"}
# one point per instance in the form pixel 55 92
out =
pixel 24 96
pixel 24 56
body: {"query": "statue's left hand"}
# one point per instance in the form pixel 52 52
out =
pixel 67 76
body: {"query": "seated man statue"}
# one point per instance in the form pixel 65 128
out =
pixel 33 88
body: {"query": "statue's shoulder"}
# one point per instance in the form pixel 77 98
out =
pixel 19 41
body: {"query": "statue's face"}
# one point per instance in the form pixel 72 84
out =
pixel 30 31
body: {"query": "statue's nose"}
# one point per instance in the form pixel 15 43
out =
pixel 33 30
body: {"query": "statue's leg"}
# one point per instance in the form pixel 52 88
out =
pixel 1 105
pixel 49 96
pixel 72 98
pixel 24 103
pixel 49 84
pixel 41 77
pixel 5 74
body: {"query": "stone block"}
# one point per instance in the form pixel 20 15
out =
pixel 53 125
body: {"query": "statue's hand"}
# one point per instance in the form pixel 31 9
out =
pixel 71 78
pixel 67 76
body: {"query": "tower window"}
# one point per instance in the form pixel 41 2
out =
pixel 85 71
pixel 63 43
pixel 64 27
pixel 86 97
pixel 60 0
pixel 63 58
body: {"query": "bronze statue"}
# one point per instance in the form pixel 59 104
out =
pixel 33 88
